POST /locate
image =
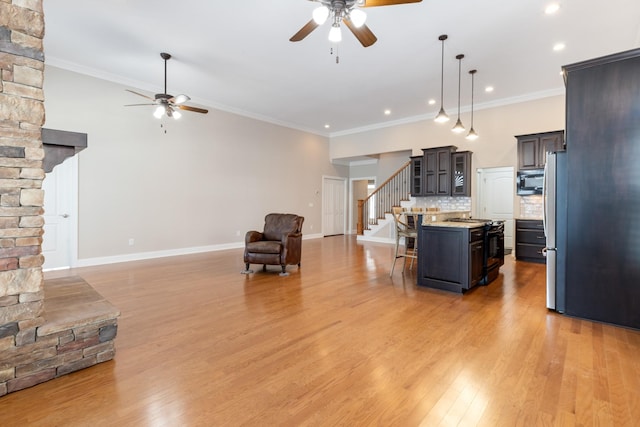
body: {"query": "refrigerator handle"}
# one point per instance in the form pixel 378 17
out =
pixel 544 197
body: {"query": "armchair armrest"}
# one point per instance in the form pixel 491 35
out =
pixel 252 236
pixel 286 237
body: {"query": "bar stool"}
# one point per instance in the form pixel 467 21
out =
pixel 406 226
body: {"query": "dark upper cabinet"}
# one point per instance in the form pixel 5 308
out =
pixel 437 171
pixel 441 171
pixel 417 175
pixel 533 149
pixel 461 173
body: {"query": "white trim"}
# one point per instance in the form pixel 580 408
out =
pixel 347 162
pixel 422 117
pixel 73 232
pixel 385 240
pixel 100 74
pixel 89 262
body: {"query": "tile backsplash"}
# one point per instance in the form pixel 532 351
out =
pixel 531 206
pixel 444 203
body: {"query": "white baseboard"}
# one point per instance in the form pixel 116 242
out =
pixel 89 262
pixel 385 240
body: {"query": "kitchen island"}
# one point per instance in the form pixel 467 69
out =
pixel 457 255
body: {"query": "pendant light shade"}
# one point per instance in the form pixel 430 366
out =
pixel 442 116
pixel 459 127
pixel 472 135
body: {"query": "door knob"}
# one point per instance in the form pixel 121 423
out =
pixel 65 215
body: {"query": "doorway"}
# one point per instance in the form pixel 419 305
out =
pixel 333 205
pixel 59 241
pixel 496 187
pixel 360 188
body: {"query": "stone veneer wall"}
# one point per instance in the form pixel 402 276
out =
pixel 39 340
pixel 21 174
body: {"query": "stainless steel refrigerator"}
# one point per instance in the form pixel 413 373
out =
pixel 555 227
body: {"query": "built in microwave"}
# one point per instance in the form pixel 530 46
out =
pixel 530 182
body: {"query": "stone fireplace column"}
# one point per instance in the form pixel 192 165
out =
pixel 21 197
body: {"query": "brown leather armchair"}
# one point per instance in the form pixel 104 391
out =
pixel 279 244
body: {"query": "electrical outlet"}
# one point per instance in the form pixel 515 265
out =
pixel 131 242
pixel 237 232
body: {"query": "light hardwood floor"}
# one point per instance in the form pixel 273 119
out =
pixel 336 343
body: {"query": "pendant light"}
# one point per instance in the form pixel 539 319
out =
pixel 459 127
pixel 472 135
pixel 442 115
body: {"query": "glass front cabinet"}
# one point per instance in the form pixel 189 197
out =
pixel 416 177
pixel 461 173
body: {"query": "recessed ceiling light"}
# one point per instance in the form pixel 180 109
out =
pixel 558 47
pixel 432 102
pixel 488 89
pixel 327 126
pixel 552 8
pixel 387 112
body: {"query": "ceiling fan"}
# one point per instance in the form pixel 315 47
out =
pixel 347 12
pixel 165 103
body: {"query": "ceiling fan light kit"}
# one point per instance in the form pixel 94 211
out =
pixel 358 17
pixel 166 104
pixel 335 34
pixel 347 12
pixel 320 14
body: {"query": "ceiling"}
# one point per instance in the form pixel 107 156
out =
pixel 236 55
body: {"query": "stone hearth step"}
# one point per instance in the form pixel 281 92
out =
pixel 71 302
pixel 78 331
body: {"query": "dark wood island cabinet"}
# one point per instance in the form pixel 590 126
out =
pixel 451 258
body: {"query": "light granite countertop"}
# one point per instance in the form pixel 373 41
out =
pixel 453 224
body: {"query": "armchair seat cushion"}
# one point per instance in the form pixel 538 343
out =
pixel 265 247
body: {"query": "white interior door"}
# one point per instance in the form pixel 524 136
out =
pixel 333 205
pixel 495 198
pixel 60 193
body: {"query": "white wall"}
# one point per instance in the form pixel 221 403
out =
pixel 496 126
pixel 204 182
pixel 212 177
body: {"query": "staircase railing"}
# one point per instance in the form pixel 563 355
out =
pixel 389 194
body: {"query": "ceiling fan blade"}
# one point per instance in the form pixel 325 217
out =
pixel 304 31
pixel 373 3
pixel 363 34
pixel 179 99
pixel 139 94
pixel 194 109
pixel 136 105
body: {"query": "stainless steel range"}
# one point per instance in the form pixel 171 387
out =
pixel 493 246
